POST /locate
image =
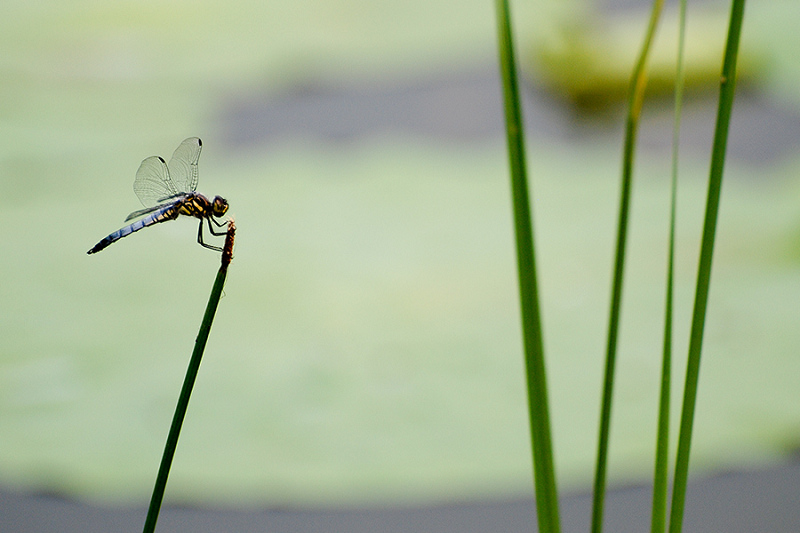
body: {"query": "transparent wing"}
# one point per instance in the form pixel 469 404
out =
pixel 146 210
pixel 183 165
pixel 140 212
pixel 153 183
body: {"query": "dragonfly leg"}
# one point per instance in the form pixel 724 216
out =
pixel 222 224
pixel 200 238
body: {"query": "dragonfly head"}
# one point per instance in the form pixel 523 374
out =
pixel 219 206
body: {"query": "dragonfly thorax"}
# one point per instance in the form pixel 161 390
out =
pixel 196 205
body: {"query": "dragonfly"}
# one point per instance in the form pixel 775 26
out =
pixel 168 191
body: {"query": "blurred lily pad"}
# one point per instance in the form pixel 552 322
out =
pixel 587 59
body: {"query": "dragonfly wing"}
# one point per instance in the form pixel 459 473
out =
pixel 153 182
pixel 146 210
pixel 183 165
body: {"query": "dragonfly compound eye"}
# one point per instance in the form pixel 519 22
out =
pixel 220 206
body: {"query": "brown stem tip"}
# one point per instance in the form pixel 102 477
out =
pixel 227 249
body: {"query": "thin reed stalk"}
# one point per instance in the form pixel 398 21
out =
pixel 635 101
pixel 188 383
pixel 660 476
pixel 544 472
pixel 726 95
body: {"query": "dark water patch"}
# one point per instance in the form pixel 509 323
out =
pixel 465 106
pixel 733 502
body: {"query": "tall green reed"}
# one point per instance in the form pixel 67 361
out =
pixel 635 103
pixel 660 475
pixel 539 415
pixel 718 151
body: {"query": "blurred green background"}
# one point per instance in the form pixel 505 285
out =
pixel 368 345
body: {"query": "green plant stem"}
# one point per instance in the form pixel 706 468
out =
pixel 635 101
pixel 660 478
pixel 544 472
pixel 186 390
pixel 726 95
